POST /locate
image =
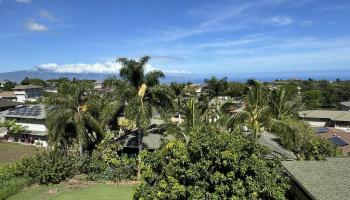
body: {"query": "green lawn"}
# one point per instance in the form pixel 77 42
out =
pixel 11 152
pixel 67 191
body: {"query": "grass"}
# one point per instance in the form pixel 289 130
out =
pixel 76 190
pixel 11 152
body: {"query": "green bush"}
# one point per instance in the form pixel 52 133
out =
pixel 48 167
pixel 106 164
pixel 10 183
pixel 212 165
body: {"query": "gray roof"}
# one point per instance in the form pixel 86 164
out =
pixel 23 87
pixel 323 180
pixel 270 140
pixel 26 111
pixel 345 103
pixel 150 141
pixel 5 103
pixel 334 115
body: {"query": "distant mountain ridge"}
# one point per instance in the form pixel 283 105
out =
pixel 185 77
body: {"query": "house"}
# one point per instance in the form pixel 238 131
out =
pixel 50 89
pixel 327 118
pixel 321 180
pixel 28 92
pixel 337 137
pixel 10 96
pixel 32 117
pixel 345 105
pixel 5 105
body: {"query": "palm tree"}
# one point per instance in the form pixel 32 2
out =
pixel 255 115
pixel 178 90
pixel 148 94
pixel 216 87
pixel 69 119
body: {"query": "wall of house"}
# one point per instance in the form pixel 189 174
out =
pixel 315 122
pixel 34 127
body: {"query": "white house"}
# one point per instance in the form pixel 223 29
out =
pixel 327 118
pixel 28 92
pixel 32 117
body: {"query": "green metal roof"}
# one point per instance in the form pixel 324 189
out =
pixel 323 180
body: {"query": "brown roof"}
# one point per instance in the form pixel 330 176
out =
pixel 23 87
pixel 339 133
pixel 7 94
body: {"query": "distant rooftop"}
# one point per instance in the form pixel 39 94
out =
pixel 334 115
pixel 5 103
pixel 7 94
pixel 23 87
pixel 345 103
pixel 26 111
pixel 322 180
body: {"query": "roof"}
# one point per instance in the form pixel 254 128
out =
pixel 323 180
pixel 7 94
pixel 23 87
pixel 5 103
pixel 150 141
pixel 332 132
pixel 26 111
pixel 270 140
pixel 334 115
pixel 345 103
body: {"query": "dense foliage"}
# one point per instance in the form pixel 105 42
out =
pixel 48 167
pixel 213 165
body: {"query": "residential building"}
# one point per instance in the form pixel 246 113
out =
pixel 28 92
pixel 338 137
pixel 327 118
pixel 321 180
pixel 345 105
pixel 8 95
pixel 32 117
pixel 5 105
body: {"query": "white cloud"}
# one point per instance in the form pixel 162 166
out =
pixel 100 68
pixel 23 1
pixel 280 20
pixel 47 15
pixel 32 25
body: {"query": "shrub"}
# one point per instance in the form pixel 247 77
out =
pixel 9 182
pixel 212 165
pixel 106 164
pixel 48 167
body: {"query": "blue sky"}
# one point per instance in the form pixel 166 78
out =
pixel 187 36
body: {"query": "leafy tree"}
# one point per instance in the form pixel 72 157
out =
pixel 236 89
pixel 33 81
pixel 312 99
pixel 69 119
pixel 9 85
pixel 212 165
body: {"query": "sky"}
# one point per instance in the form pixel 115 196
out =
pixel 182 36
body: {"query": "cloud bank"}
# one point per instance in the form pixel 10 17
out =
pixel 100 68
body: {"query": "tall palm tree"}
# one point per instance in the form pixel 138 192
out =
pixel 148 94
pixel 178 90
pixel 68 117
pixel 255 115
